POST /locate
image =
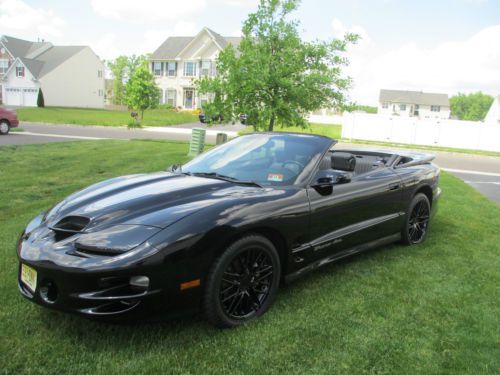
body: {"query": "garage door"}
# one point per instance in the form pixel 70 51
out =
pixel 13 96
pixel 29 97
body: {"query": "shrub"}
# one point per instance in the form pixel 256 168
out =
pixel 40 101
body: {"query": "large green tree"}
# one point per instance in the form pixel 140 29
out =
pixel 274 76
pixel 141 91
pixel 472 107
pixel 122 69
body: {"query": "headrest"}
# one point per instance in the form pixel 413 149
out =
pixel 343 161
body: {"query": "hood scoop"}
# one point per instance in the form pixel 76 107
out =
pixel 69 226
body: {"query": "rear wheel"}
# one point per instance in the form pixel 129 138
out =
pixel 4 127
pixel 416 224
pixel 243 282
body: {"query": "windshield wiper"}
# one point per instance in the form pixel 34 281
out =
pixel 222 177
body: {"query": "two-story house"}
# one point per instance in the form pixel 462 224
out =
pixel 414 104
pixel 69 76
pixel 180 61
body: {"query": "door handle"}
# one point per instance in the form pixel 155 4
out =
pixel 394 186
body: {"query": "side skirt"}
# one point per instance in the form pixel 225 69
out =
pixel 343 254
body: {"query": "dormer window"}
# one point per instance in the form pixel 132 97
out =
pixel 19 71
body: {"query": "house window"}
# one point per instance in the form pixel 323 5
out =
pixel 189 69
pixel 206 68
pixel 171 69
pixel 99 73
pixel 100 92
pixel 170 96
pixel 4 65
pixel 385 105
pixel 402 107
pixel 157 68
pixel 19 71
pixel 435 108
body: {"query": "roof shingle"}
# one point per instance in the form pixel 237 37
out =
pixel 413 97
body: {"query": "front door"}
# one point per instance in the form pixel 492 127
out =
pixel 188 98
pixel 363 210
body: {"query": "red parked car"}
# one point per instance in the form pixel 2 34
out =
pixel 8 119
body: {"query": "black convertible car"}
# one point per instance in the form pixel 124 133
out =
pixel 223 231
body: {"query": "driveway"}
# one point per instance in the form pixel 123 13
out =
pixel 481 172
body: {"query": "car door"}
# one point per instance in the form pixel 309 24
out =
pixel 356 212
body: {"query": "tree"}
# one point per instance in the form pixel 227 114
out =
pixel 40 101
pixel 275 77
pixel 122 68
pixel 472 107
pixel 141 91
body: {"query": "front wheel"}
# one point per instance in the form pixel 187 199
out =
pixel 243 282
pixel 416 224
pixel 4 127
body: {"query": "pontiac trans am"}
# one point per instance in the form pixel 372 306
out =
pixel 222 232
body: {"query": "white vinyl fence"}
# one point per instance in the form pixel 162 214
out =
pixel 429 132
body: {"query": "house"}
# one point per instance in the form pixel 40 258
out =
pixel 180 61
pixel 69 76
pixel 414 104
pixel 493 115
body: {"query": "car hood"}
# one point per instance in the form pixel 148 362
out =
pixel 157 199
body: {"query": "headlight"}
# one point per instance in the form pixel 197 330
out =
pixel 115 240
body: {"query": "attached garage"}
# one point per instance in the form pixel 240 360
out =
pixel 17 96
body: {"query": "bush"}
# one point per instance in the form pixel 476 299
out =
pixel 40 101
pixel 166 106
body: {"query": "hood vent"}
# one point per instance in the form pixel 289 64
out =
pixel 69 226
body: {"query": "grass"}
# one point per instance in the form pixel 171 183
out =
pixel 431 309
pixel 82 116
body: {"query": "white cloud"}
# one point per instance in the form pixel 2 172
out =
pixel 469 65
pixel 22 20
pixel 147 11
pixel 110 45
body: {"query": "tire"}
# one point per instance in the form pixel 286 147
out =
pixel 4 127
pixel 242 283
pixel 416 225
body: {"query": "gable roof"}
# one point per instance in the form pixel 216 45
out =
pixel 173 46
pixel 413 97
pixel 39 58
pixel 55 56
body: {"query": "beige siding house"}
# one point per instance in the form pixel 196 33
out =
pixel 179 61
pixel 69 76
pixel 414 104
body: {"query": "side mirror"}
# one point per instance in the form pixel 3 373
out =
pixel 328 178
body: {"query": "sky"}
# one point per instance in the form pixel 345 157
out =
pixel 427 45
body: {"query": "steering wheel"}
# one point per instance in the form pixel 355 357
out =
pixel 294 163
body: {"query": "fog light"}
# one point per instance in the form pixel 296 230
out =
pixel 48 291
pixel 139 282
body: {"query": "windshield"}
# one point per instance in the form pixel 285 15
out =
pixel 266 159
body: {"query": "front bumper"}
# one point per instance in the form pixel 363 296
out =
pixel 100 286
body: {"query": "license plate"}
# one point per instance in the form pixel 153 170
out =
pixel 28 277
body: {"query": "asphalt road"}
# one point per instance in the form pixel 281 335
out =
pixel 481 172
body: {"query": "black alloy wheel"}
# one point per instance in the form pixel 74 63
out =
pixel 417 221
pixel 243 282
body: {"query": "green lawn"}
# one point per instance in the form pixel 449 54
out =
pixel 432 309
pixel 81 116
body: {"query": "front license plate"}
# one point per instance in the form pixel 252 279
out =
pixel 28 276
